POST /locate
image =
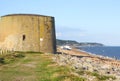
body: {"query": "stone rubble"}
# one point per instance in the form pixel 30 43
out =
pixel 88 64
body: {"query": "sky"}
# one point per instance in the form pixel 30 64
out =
pixel 81 20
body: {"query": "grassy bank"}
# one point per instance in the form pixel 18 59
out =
pixel 10 57
pixel 36 67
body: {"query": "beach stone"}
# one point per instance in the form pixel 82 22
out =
pixel 88 64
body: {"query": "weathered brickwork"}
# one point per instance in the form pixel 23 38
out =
pixel 27 32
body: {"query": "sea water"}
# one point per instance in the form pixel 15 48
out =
pixel 110 51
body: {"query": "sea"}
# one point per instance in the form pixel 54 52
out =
pixel 107 51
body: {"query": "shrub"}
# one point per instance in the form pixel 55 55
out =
pixel 19 55
pixel 8 58
pixel 1 60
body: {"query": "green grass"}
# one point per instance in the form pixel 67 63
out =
pixel 97 75
pixel 33 52
pixel 36 67
pixel 10 57
pixel 102 77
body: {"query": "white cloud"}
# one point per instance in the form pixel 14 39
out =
pixel 70 35
pixel 81 34
pixel 58 34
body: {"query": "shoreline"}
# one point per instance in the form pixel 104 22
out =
pixel 102 55
pixel 103 65
pixel 98 55
pixel 78 52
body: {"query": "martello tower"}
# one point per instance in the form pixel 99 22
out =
pixel 28 32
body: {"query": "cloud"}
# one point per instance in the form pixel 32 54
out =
pixel 58 34
pixel 72 33
pixel 69 29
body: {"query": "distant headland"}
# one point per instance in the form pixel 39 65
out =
pixel 75 43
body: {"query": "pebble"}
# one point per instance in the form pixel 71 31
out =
pixel 88 64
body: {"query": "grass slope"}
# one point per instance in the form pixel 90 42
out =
pixel 36 67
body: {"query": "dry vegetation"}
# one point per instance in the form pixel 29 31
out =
pixel 30 66
pixel 36 67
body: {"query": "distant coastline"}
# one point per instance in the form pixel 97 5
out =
pixel 76 44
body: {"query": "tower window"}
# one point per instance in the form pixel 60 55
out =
pixel 23 37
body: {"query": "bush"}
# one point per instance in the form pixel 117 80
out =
pixel 2 60
pixel 8 58
pixel 19 55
